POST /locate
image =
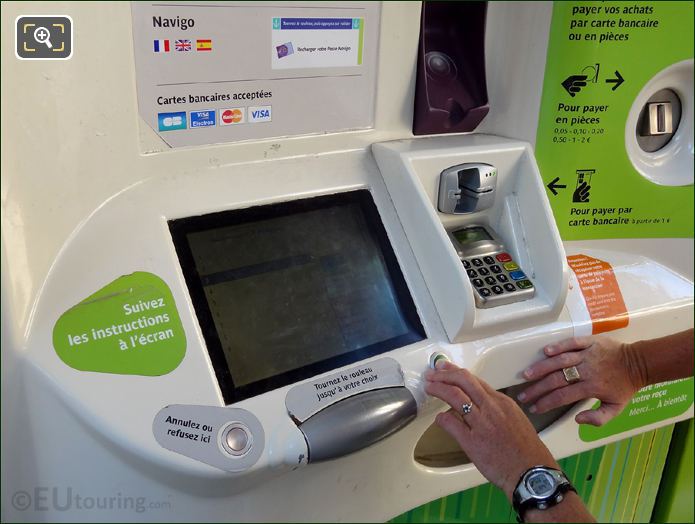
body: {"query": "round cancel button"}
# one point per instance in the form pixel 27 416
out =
pixel 236 439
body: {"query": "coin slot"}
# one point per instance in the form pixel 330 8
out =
pixel 658 120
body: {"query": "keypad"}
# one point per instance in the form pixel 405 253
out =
pixel 496 276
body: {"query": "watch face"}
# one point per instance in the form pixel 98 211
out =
pixel 540 484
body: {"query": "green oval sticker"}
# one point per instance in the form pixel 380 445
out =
pixel 131 327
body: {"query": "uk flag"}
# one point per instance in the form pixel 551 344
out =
pixel 182 45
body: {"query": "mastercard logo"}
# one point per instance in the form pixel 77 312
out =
pixel 235 115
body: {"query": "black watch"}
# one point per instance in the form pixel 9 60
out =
pixel 540 488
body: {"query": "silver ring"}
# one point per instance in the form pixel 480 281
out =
pixel 466 408
pixel 571 374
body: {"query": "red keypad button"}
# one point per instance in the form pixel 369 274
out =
pixel 504 257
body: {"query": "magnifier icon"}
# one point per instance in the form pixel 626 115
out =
pixel 42 36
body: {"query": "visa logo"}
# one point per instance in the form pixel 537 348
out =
pixel 260 114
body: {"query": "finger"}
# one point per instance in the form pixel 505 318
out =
pixel 549 383
pixel 453 424
pixel 487 387
pixel 599 416
pixel 569 344
pixel 441 365
pixel 464 379
pixel 446 364
pixel 548 365
pixel 559 397
pixel 452 395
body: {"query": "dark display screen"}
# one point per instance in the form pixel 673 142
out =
pixel 540 483
pixel 471 234
pixel 290 290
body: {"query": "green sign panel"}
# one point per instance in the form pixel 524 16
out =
pixel 651 404
pixel 130 326
pixel 600 56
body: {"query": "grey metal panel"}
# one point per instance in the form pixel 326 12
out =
pixel 307 399
pixel 196 432
pixel 358 422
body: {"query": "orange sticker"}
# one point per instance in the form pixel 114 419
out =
pixel 601 293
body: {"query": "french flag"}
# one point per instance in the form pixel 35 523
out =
pixel 161 46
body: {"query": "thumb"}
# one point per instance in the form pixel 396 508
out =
pixel 598 417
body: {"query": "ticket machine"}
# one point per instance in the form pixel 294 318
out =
pixel 232 323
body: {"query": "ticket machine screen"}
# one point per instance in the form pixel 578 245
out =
pixel 471 234
pixel 286 291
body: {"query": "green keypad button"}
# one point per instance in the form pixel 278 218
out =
pixel 524 284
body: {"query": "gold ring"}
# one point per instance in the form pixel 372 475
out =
pixel 571 374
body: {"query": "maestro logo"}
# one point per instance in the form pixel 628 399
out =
pixel 235 115
pixel 43 37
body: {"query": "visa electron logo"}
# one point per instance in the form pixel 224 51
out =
pixel 203 118
pixel 171 121
pixel 235 115
pixel 260 114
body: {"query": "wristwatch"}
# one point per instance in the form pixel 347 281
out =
pixel 540 487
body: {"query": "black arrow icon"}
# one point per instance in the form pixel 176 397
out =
pixel 554 185
pixel 617 80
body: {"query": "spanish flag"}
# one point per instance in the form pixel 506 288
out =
pixel 203 45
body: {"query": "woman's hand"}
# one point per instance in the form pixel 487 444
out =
pixel 608 371
pixel 496 434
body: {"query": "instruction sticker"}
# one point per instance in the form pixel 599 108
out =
pixel 307 399
pixel 601 291
pixel 651 404
pixel 199 432
pixel 317 42
pixel 600 56
pixel 130 327
pixel 270 69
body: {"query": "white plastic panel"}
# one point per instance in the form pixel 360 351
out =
pixel 521 215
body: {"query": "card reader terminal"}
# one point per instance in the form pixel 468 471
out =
pixel 496 278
